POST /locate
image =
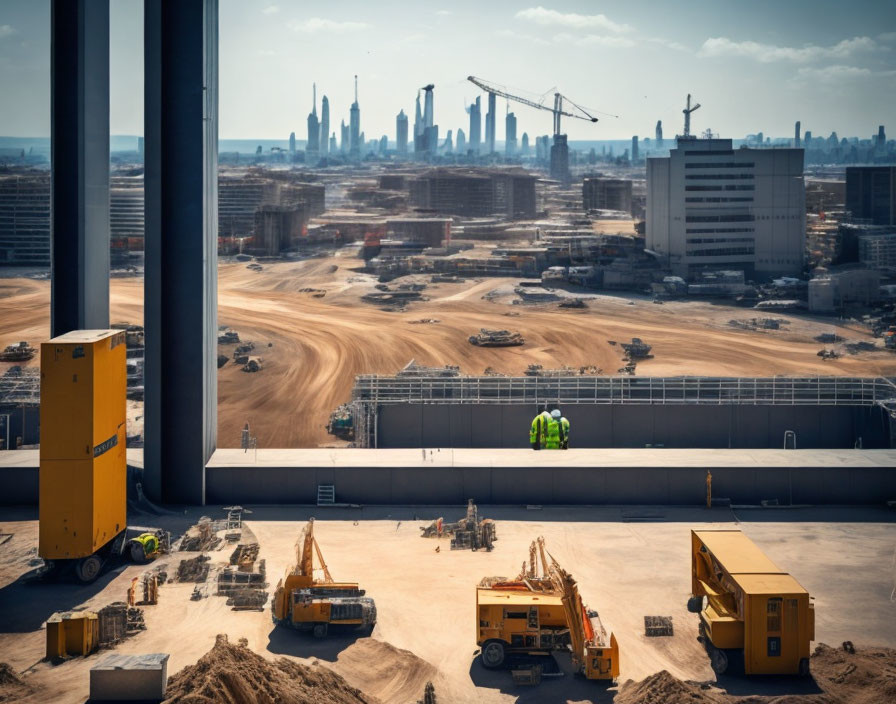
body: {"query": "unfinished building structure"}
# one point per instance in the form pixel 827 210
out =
pixel 25 218
pixel 475 193
pixel 599 193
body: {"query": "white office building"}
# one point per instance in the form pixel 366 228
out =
pixel 710 206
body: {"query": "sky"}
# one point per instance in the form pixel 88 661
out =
pixel 753 66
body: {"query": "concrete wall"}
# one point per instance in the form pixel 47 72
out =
pixel 816 427
pixel 536 485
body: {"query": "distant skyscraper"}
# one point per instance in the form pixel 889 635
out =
pixel 634 149
pixel 460 144
pixel 141 148
pixel 312 146
pixel 448 146
pixel 490 125
pixel 475 111
pixel 881 137
pixel 344 138
pixel 431 143
pixel 384 145
pixel 418 127
pixel 510 134
pixel 292 142
pixel 324 127
pixel 333 146
pixel 659 134
pixel 401 133
pixel 524 149
pixel 796 134
pixel 560 159
pixel 355 123
pixel 807 139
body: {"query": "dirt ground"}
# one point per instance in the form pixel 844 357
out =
pixel 314 347
pixel 630 562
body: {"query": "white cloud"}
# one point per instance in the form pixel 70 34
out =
pixel 594 40
pixel 444 13
pixel 668 43
pixel 887 37
pixel 572 20
pixel 832 74
pixel 271 10
pixel 6 30
pixel 317 24
pixel 768 53
pixel 526 38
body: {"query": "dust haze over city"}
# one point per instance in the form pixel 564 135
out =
pixel 370 260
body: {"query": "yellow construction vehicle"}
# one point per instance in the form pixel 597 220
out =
pixel 538 612
pixel 755 613
pixel 305 603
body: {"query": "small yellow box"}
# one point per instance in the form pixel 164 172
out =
pixel 71 634
pixel 83 461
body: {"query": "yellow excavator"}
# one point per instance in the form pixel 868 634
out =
pixel 540 611
pixel 305 603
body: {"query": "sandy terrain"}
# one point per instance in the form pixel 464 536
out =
pixel 318 345
pixel 425 599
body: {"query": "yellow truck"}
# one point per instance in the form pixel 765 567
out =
pixel 305 603
pixel 539 612
pixel 83 465
pixel 751 611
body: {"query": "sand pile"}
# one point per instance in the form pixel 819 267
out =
pixel 663 688
pixel 863 676
pixel 12 689
pixel 846 675
pixel 384 671
pixel 233 674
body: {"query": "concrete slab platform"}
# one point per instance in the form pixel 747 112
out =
pixel 118 678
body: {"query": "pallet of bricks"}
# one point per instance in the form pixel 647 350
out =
pixel 243 585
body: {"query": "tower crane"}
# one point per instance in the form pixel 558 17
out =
pixel 557 110
pixel 687 116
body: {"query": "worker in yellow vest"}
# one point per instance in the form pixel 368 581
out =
pixel 564 433
pixel 538 432
pixel 552 441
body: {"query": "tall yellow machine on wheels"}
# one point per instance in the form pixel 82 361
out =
pixel 83 465
pixel 538 612
pixel 305 603
pixel 755 613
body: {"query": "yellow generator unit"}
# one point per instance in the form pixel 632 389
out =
pixel 754 612
pixel 83 466
pixel 72 633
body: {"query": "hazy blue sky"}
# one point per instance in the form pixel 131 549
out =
pixel 755 65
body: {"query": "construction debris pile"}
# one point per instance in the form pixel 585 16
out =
pixel 201 537
pixel 763 324
pixel 12 688
pixel 244 586
pixel 193 570
pixel 585 370
pixel 233 673
pixel 21 352
pixel 496 338
pixel 469 533
pixel 416 370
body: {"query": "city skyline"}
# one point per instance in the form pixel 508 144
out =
pixel 833 68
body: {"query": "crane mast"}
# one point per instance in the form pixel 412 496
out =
pixel 687 116
pixel 557 110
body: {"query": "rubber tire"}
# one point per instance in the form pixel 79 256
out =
pixel 695 604
pixel 319 630
pixel 493 654
pixel 804 667
pixel 718 660
pixel 87 569
pixel 137 553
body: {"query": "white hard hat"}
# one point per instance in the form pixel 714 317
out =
pixel 555 413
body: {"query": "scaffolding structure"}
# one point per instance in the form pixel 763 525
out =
pixel 372 391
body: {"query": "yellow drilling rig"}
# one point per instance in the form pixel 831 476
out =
pixel 305 603
pixel 538 612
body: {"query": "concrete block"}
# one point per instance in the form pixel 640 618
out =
pixel 129 678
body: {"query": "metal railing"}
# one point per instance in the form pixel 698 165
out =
pixel 786 391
